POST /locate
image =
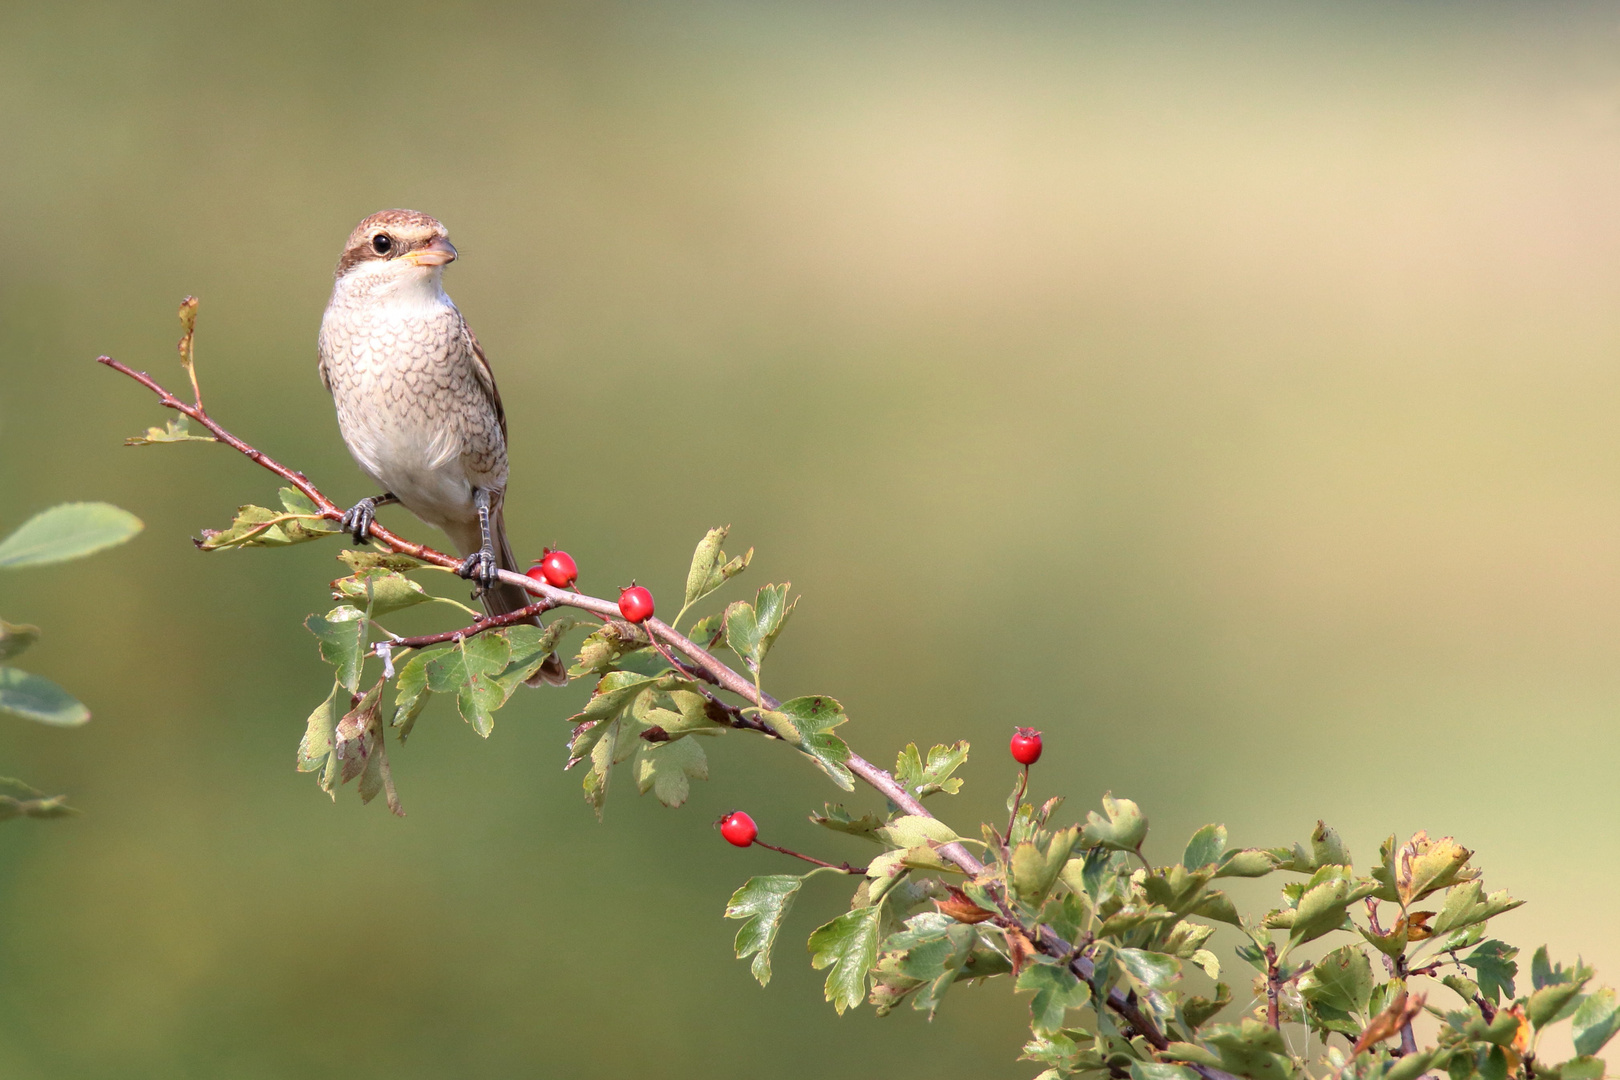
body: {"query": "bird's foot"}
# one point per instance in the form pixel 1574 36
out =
pixel 480 567
pixel 357 520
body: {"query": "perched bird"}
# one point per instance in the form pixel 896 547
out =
pixel 416 400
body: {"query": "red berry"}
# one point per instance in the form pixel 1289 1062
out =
pixel 738 828
pixel 555 568
pixel 636 604
pixel 1026 746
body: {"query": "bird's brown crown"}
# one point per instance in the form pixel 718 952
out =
pixel 388 234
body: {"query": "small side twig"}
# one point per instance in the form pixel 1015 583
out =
pixel 843 866
pixel 479 626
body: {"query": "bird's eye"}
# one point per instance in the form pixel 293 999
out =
pixel 382 243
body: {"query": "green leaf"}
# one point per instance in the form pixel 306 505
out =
pixel 848 945
pixel 1547 1004
pixel 1495 968
pixel 1337 990
pixel 176 430
pixel 1056 990
pixel 40 806
pixel 33 697
pixel 1159 1070
pixel 1248 1048
pixel 1198 1010
pixel 411 692
pixel 1123 829
pixel 1424 866
pixel 1206 846
pixel 1584 1067
pixel 600 652
pixel 710 570
pixel 379 591
pixel 764 903
pixel 529 647
pixel 667 769
pixel 1596 1021
pixel 924 779
pixel 468 668
pixel 751 629
pixel 69 531
pixel 1327 849
pixel 259 526
pixel 319 729
pixel 915 830
pixel 693 714
pixel 807 724
pixel 382 560
pixel 838 819
pixel 1245 863
pixel 1323 905
pixel 15 637
pixel 1152 969
pixel 1466 905
pixel 342 636
pixel 1035 868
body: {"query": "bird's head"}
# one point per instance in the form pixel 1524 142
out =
pixel 396 246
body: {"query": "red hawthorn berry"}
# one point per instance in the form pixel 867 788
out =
pixel 1026 746
pixel 556 568
pixel 738 828
pixel 636 604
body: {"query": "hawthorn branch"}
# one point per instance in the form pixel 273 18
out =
pixel 489 622
pixel 701 663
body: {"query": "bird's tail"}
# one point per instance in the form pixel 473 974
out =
pixel 501 598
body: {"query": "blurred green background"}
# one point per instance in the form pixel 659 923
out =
pixel 1229 392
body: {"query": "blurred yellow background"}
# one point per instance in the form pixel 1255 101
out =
pixel 1229 392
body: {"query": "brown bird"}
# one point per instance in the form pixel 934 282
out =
pixel 416 399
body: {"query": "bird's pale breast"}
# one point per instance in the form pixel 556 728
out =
pixel 410 404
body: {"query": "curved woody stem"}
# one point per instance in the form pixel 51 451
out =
pixel 699 662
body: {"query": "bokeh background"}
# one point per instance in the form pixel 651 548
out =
pixel 1229 392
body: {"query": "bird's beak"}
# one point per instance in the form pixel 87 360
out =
pixel 438 252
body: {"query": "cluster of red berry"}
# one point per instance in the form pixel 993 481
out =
pixel 558 569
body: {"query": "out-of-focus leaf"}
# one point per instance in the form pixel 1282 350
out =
pixel 1123 829
pixel 848 945
pixel 1199 1010
pixel 1494 968
pixel 529 647
pixel 1206 847
pixel 1338 989
pixel 68 531
pixel 15 637
pixel 1035 868
pixel 1596 1021
pixel 1056 990
pixel 34 697
pixel 764 903
pixel 1323 904
pixel 1467 905
pixel 1152 969
pixel 1245 863
pixel 1423 866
